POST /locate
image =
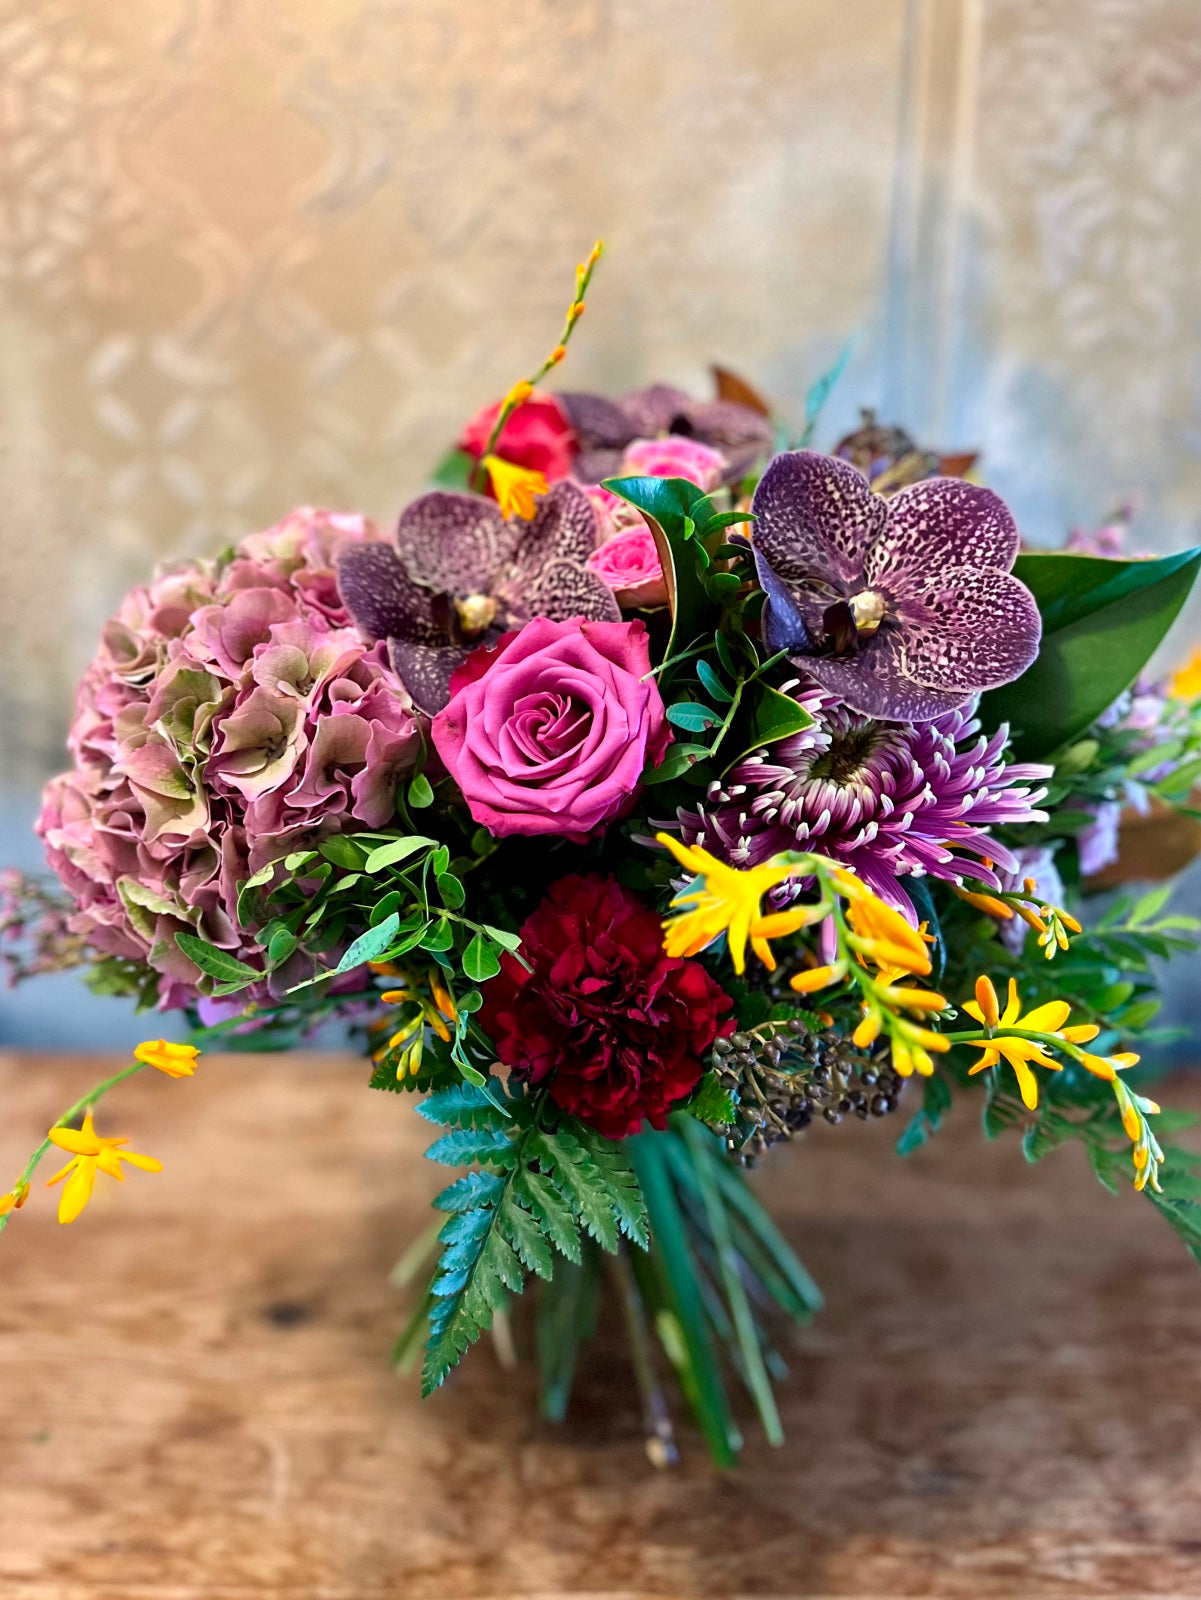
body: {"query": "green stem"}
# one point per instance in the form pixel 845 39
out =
pixel 84 1103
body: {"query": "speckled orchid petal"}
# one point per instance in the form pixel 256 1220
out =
pixel 873 685
pixel 383 598
pixel 565 590
pixel 599 423
pixel 966 629
pixel 815 519
pixel 940 523
pixel 564 528
pixel 454 543
pixel 425 671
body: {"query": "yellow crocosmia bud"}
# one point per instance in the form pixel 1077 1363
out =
pixel 926 1037
pixel 986 999
pixel 576 311
pixel 176 1060
pixel 8 1202
pixel 922 1061
pixel 1070 922
pixel 1080 1032
pixel 985 902
pixel 1141 1154
pixel 1030 885
pixel 905 957
pixel 825 1018
pixel 902 1058
pixel 557 354
pixel 1125 1058
pixel 514 487
pixel 868 1031
pixel 396 997
pixel 815 978
pixel 1031 918
pixel 911 999
pixel 517 395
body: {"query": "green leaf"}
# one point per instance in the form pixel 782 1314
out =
pixel 692 716
pixel 1102 622
pixel 545 1201
pixel 501 936
pixel 421 792
pixel 480 960
pixel 282 944
pixel 439 937
pixel 214 963
pixel 713 683
pixel 387 855
pixel 678 760
pixel 567 1308
pixel 371 945
pixel 451 890
pixel 819 392
pixel 455 470
pixel 711 1103
pixel 672 507
pixel 773 716
pixel 487 1145
pixel 343 852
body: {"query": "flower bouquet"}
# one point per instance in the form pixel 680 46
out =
pixel 659 788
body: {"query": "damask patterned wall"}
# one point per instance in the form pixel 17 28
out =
pixel 261 252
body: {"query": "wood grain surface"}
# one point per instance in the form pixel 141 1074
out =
pixel 1003 1398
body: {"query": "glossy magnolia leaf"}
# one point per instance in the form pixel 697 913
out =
pixel 672 507
pixel 1102 622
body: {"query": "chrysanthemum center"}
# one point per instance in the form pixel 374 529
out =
pixel 847 755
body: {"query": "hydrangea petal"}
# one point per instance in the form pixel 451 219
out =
pixel 941 522
pixel 815 518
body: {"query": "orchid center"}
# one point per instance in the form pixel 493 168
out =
pixel 476 613
pixel 868 608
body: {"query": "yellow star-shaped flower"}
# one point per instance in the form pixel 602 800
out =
pixel 90 1154
pixel 729 903
pixel 514 487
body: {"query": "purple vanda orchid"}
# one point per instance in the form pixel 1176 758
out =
pixel 903 608
pixel 460 575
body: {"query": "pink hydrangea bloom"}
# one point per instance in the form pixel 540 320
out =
pixel 230 715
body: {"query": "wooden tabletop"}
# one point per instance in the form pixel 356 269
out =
pixel 1003 1398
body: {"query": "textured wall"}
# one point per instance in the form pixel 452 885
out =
pixel 261 252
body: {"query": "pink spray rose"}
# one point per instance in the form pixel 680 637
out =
pixel 629 564
pixel 674 456
pixel 550 731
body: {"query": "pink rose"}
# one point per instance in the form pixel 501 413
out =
pixel 674 457
pixel 629 564
pixel 550 732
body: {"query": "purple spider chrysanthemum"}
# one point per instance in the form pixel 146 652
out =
pixel 887 799
pixel 904 608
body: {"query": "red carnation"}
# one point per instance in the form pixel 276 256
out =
pixel 616 1027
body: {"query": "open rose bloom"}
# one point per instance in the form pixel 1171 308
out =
pixel 642 797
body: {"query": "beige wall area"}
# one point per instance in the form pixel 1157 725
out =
pixel 255 253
